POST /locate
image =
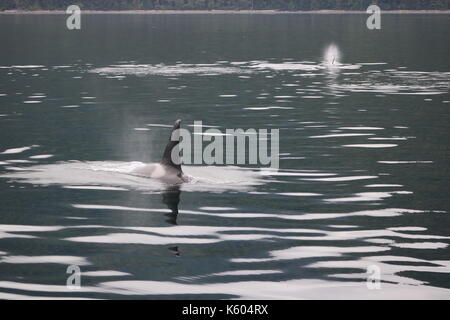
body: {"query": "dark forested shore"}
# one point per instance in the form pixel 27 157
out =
pixel 285 5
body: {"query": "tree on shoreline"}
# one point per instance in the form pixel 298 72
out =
pixel 225 4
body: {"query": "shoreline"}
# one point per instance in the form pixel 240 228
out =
pixel 224 12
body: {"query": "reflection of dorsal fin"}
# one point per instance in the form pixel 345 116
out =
pixel 174 140
pixel 171 197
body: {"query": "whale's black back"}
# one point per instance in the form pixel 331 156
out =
pixel 174 140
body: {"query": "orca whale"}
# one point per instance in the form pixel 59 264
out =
pixel 166 171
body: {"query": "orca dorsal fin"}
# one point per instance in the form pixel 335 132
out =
pixel 174 140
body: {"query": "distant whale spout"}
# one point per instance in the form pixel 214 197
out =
pixel 167 170
pixel 332 56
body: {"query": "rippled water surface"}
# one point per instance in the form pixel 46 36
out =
pixel 364 156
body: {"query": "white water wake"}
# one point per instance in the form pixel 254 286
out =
pixel 115 175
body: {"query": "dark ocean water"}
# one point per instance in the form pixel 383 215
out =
pixel 364 156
